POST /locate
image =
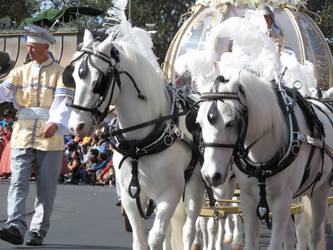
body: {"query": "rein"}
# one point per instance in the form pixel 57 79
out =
pixel 111 78
pixel 278 163
pixel 162 137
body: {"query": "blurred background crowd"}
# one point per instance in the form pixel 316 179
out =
pixel 85 161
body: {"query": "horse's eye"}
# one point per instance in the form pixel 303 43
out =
pixel 230 124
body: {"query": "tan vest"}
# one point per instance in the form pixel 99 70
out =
pixel 36 86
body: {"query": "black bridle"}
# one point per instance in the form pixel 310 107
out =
pixel 212 115
pixel 105 80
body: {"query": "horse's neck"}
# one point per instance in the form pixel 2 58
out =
pixel 270 140
pixel 133 111
pixel 264 150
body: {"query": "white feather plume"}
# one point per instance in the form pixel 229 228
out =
pixel 124 32
pixel 251 41
pixel 298 75
pixel 200 63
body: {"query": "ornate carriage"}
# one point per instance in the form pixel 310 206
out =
pixel 302 33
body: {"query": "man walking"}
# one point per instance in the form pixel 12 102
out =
pixel 39 95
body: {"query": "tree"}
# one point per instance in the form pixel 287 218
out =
pixel 165 15
pixel 19 9
pixel 324 8
pixel 99 4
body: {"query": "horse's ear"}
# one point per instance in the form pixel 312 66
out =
pixel 241 94
pixel 105 46
pixel 241 90
pixel 87 38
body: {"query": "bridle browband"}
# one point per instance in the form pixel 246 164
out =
pixel 212 115
pixel 104 81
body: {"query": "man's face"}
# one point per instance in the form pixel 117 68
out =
pixel 36 50
pixel 269 21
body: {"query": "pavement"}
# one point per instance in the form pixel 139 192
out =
pixel 86 217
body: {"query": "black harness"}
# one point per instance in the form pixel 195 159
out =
pixel 164 134
pixel 104 82
pixel 165 131
pixel 280 161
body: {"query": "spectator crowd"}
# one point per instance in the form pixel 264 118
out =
pixel 85 161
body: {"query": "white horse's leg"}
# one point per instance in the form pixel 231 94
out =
pixel 290 235
pixel 280 217
pixel 212 229
pixel 228 227
pixel 301 232
pixel 237 239
pixel 319 211
pixel 129 204
pixel 219 238
pixel 165 207
pixel 139 239
pixel 167 242
pixel 176 224
pixel 251 221
pixel 194 193
pixel 203 225
pixel 197 243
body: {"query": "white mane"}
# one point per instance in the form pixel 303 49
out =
pixel 263 108
pixel 124 32
pixel 139 59
pixel 147 79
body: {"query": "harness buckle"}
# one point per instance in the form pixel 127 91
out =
pixel 295 149
pixel 298 137
pixel 140 151
pixel 177 131
pixel 267 173
pixel 168 140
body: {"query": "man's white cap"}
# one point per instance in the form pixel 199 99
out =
pixel 36 34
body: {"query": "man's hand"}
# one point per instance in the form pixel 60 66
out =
pixel 50 130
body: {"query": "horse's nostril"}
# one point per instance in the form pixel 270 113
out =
pixel 216 177
pixel 80 126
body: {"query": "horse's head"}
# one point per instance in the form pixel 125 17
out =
pixel 222 116
pixel 93 74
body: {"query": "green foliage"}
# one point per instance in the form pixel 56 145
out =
pixel 99 4
pixel 324 8
pixel 17 10
pixel 165 15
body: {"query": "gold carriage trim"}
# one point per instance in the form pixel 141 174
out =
pixel 253 3
pixel 226 210
pixel 301 32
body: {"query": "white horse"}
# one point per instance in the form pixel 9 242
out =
pixel 213 235
pixel 117 73
pixel 242 121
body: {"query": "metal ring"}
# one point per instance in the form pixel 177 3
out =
pixel 168 140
